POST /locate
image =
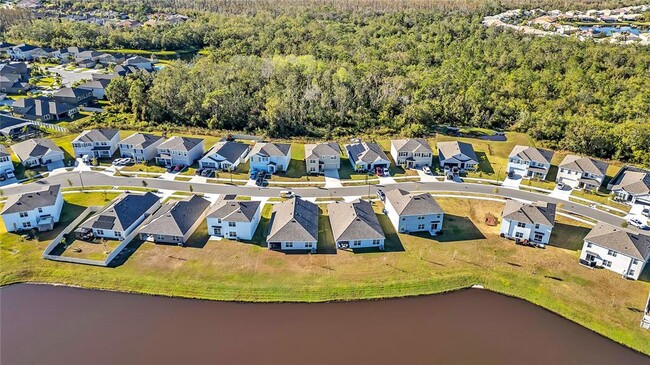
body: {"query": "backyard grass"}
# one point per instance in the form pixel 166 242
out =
pixel 468 252
pixel 601 197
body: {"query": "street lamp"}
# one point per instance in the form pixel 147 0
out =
pixel 81 180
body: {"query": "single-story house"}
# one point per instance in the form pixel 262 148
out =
pixel 582 172
pixel 631 184
pixel 43 109
pixel 355 225
pixel 528 222
pixel 294 226
pixel 179 151
pixel 176 221
pixel 322 156
pixel 141 147
pixel 529 162
pixel 414 212
pixel 456 154
pixel 73 96
pixel 139 62
pixel 97 87
pixel 38 209
pixel 411 153
pixel 366 156
pixel 38 152
pixel 270 157
pixel 234 219
pixel 100 143
pixel 224 155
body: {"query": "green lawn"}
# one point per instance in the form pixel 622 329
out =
pixel 468 252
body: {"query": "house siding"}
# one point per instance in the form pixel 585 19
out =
pixel 621 263
pixel 510 229
pixel 14 222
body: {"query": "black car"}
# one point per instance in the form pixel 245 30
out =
pixel 198 172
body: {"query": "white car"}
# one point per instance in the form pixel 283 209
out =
pixel 386 171
pixel 9 174
pixel 426 170
pixel 636 223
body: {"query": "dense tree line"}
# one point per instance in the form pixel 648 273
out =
pixel 333 73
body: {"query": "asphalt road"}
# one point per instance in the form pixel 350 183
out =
pixel 95 178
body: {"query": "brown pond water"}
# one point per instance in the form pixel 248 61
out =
pixel 58 325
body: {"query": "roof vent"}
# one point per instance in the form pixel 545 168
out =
pixel 30 196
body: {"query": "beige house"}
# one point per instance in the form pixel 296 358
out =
pixel 322 156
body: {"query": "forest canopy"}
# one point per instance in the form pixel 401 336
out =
pixel 326 73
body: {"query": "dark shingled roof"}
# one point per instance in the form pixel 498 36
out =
pixel 629 243
pixel 121 215
pixel 294 220
pixel 176 218
pixel 450 149
pixel 229 150
pixel 354 221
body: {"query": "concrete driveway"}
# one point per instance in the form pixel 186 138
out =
pixel 332 179
pixel 385 180
pixel 635 212
pixel 424 177
pixel 561 194
pixel 512 182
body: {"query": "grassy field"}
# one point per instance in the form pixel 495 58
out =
pixel 469 252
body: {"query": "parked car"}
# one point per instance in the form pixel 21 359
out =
pixel 636 223
pixel 2 178
pixel 170 168
pixel 10 174
pixel 561 186
pixel 286 194
pixel 128 161
pixel 381 195
pixel 207 172
pixel 426 170
pixel 379 171
pixel 645 212
pixel 179 167
pixel 386 171
pixel 199 171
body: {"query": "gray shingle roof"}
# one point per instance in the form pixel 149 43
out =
pixel 450 149
pixel 365 152
pixel 322 149
pixel 35 147
pixel 123 213
pixel 229 150
pixel 584 164
pixel 527 153
pixel 96 135
pixel 141 140
pixel 635 182
pixel 44 197
pixel 271 149
pixel 178 143
pixel 4 152
pixel 97 84
pixel 294 220
pixel 40 106
pixel 71 92
pixel 412 203
pixel 176 218
pixel 633 244
pixel 411 145
pixel 234 210
pixel 354 221
pixel 535 213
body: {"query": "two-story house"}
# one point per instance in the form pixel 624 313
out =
pixel 458 155
pixel 529 162
pixel 528 222
pixel 179 151
pixel 294 226
pixel 366 156
pixel 38 152
pixel 414 212
pixel 121 217
pixel 617 249
pixel 175 221
pixel 631 184
pixel 141 147
pixel 411 153
pixel 139 62
pixel 234 219
pixel 73 96
pixel 322 156
pixel 582 172
pixel 5 160
pixel 97 87
pixel 270 157
pixel 225 155
pixel 38 209
pixel 99 143
pixel 355 225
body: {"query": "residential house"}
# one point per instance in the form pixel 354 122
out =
pixel 582 172
pixel 67 54
pixel 294 226
pixel 224 155
pixel 5 160
pixel 411 153
pixel 322 156
pixel 176 221
pixel 17 128
pixel 38 152
pixel 179 151
pixel 39 209
pixel 5 47
pixel 14 78
pixel 100 143
pixel 528 222
pixel 23 52
pixel 139 62
pixel 234 219
pixel 43 109
pixel 414 212
pixel 631 184
pixel 616 249
pixel 270 157
pixel 458 155
pixel 121 217
pixel 366 156
pixel 529 162
pixel 355 225
pixel 141 147
pixel 97 87
pixel 73 96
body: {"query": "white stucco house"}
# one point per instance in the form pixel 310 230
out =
pixel 581 172
pixel 529 162
pixel 140 146
pixel 179 151
pixel 224 155
pixel 414 212
pixel 411 153
pixel 121 217
pixel 365 156
pixel 355 225
pixel 270 157
pixel 38 152
pixel 322 156
pixel 100 143
pixel 528 222
pixel 294 226
pixel 456 154
pixel 234 219
pixel 631 184
pixel 39 209
pixel 617 249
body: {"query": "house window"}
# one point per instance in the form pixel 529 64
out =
pixel 631 273
pixel 23 214
pixel 607 263
pixel 118 234
pixel 288 244
pixel 537 226
pixel 219 220
pixel 232 234
pixel 100 232
pixel 611 253
pixel 588 244
pixel 308 244
pixel 356 243
pixel 420 217
pixel 538 236
pixel 232 224
pixel 521 224
pixel 375 242
pixel 403 219
pixel 519 235
pixel 420 226
pixel 312 161
pixel 27 224
pixel 635 262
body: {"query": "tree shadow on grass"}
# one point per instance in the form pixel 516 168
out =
pixel 568 237
pixel 457 228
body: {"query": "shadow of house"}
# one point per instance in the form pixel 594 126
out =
pixel 392 242
pixel 568 237
pixel 645 274
pixel 262 230
pixel 457 228
pixel 484 164
pixel 552 173
pixel 126 253
pixel 326 244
